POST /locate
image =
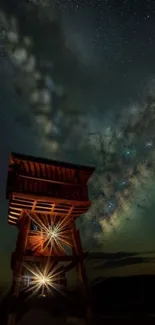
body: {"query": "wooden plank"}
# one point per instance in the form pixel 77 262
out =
pixel 46 209
pixel 21 199
pixel 44 259
pixel 42 187
pixel 14 213
pixel 15 204
pixel 12 222
pixel 14 208
pixel 51 199
pixel 43 211
pixel 12 217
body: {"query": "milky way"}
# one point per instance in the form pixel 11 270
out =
pixel 83 91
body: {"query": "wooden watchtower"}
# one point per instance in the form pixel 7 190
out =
pixel 45 193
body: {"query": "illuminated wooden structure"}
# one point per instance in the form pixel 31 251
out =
pixel 42 189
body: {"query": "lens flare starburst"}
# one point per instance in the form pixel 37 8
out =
pixel 51 235
pixel 44 280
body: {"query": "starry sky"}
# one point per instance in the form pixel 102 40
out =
pixel 77 83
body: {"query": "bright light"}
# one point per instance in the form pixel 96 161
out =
pixel 44 281
pixel 52 234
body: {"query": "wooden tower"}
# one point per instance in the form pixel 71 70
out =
pixel 45 199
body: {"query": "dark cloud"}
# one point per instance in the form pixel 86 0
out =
pixel 119 259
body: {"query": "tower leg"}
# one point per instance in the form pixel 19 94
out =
pixel 11 319
pixel 24 226
pixel 77 249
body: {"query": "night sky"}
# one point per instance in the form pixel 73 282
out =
pixel 77 84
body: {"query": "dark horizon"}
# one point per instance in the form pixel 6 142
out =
pixel 102 265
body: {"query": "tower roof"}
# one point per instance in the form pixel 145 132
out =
pixel 48 168
pixel 46 186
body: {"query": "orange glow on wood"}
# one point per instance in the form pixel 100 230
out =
pixel 45 199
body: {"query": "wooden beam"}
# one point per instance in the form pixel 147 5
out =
pixel 22 205
pixel 48 180
pixel 66 258
pixel 34 205
pixel 52 209
pixel 50 199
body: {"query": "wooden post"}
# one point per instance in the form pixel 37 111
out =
pixel 81 272
pixel 24 226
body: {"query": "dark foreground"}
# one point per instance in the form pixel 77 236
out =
pixel 124 321
pixel 114 301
